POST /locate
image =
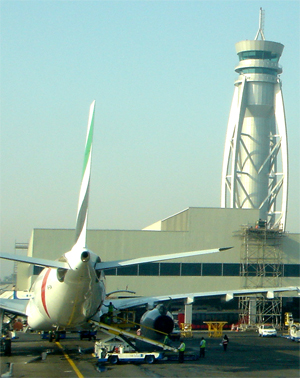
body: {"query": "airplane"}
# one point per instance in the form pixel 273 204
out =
pixel 70 291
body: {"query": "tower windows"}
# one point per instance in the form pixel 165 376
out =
pixel 258 54
pixel 259 70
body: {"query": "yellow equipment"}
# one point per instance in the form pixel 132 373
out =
pixel 288 319
pixel 215 328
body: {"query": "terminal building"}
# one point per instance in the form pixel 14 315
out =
pixel 251 219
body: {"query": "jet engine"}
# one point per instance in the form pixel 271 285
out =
pixel 159 319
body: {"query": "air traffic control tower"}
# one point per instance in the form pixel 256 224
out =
pixel 255 163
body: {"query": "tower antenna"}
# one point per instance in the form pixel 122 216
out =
pixel 261 25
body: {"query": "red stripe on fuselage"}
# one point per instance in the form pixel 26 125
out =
pixel 43 291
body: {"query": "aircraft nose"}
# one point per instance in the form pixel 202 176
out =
pixel 85 256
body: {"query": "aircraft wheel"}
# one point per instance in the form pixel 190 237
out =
pixel 150 359
pixel 113 360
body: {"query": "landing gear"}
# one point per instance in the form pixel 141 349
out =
pixel 51 337
pixel 57 336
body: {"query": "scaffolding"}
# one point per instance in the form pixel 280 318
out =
pixel 261 266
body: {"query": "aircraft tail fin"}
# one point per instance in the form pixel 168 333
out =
pixel 82 211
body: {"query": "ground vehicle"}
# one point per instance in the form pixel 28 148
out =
pixel 294 331
pixel 120 346
pixel 114 351
pixel 133 356
pixel 267 330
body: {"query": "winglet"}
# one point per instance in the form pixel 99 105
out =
pixel 82 212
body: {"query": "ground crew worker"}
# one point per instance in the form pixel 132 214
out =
pixel 110 311
pixel 225 342
pixel 7 344
pixel 181 350
pixel 202 347
pixel 111 308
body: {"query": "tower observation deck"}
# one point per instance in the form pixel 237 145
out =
pixel 255 163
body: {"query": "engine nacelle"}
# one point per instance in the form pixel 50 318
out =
pixel 158 319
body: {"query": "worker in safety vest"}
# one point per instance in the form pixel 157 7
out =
pixel 202 347
pixel 111 309
pixel 181 350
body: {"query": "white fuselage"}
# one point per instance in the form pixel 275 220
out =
pixel 67 298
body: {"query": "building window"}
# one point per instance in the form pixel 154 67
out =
pixel 231 269
pixel 130 270
pixel 212 269
pixel 249 270
pixel 190 269
pixel 170 269
pixel 194 269
pixel 259 70
pixel 149 269
pixel 273 270
pixel 111 272
pixel 292 270
pixel 258 54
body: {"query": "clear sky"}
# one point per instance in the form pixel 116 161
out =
pixel 162 75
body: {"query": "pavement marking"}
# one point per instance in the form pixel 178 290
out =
pixel 78 373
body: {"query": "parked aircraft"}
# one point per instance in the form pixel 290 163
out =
pixel 71 290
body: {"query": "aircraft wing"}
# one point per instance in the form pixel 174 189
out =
pixel 14 306
pixel 124 303
pixel 36 261
pixel 143 260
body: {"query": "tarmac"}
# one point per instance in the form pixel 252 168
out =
pixel 247 355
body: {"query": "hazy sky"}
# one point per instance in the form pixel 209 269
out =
pixel 162 75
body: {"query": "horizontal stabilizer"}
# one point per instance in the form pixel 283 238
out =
pixel 143 260
pixel 14 306
pixel 35 261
